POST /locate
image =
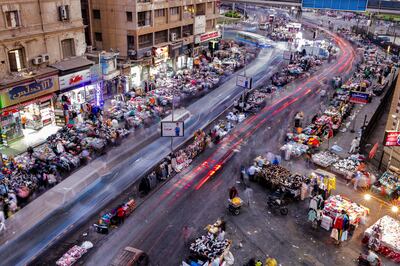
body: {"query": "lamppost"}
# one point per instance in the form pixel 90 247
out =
pixel 392 148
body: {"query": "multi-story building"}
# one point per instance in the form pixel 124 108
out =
pixel 392 154
pixel 158 29
pixel 35 35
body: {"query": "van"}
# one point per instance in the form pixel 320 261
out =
pixel 130 256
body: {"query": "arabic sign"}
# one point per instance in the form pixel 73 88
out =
pixel 207 36
pixel 359 97
pixel 199 25
pixel 74 79
pixel 392 138
pixel 172 129
pixel 27 91
pixel 160 54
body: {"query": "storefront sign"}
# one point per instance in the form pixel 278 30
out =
pixel 172 129
pixel 27 91
pixel 359 97
pixel 135 75
pixel 199 25
pixel 74 79
pixel 160 54
pixel 207 36
pixel 392 138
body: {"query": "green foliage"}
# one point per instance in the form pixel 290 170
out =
pixel 232 14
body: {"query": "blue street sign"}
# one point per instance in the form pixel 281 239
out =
pixel 349 5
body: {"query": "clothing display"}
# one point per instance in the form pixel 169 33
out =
pixel 346 166
pixel 324 158
pixel 384 237
pixel 335 204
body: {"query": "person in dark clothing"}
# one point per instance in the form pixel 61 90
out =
pixel 233 192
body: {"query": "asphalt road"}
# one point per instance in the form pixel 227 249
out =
pixel 196 197
pixel 29 244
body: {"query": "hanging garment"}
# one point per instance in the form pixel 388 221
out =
pixel 335 234
pixel 312 215
pixel 344 236
pixel 326 222
pixel 338 223
pixel 314 203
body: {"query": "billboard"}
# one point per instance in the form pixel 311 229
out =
pixel 245 82
pixel 359 97
pixel 392 138
pixel 199 25
pixel 348 5
pixel 172 129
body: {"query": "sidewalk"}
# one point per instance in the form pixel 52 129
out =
pixel 344 137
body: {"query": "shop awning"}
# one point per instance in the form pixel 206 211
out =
pixel 72 64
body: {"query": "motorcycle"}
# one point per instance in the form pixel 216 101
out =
pixel 277 204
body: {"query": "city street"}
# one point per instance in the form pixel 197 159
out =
pixel 196 197
pixel 209 133
pixel 67 212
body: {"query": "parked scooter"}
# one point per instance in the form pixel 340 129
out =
pixel 277 204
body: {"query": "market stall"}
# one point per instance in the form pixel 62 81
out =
pixel 384 237
pixel 324 158
pixel 388 184
pixel 334 206
pixel 74 254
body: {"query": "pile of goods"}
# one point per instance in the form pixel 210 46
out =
pixel 276 176
pixel 388 184
pixel 209 246
pixel 324 158
pixel 335 204
pixel 384 237
pixel 346 166
pixel 74 254
pixel 294 148
pixel 62 152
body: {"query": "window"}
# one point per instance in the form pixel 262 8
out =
pixel 98 37
pixel 200 9
pixel 187 30
pixel 63 13
pixel 12 18
pixel 144 18
pixel 68 48
pixel 16 59
pixel 131 42
pixel 96 14
pixel 146 40
pixel 210 5
pixel 129 16
pixel 161 36
pixel 159 13
pixel 174 11
pixel 176 32
pixel 209 24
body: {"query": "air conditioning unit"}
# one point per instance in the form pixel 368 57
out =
pixel 63 12
pixel 89 48
pixel 173 37
pixel 148 53
pixel 37 60
pixel 45 57
pixel 131 52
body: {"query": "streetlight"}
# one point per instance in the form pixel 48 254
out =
pixel 392 148
pixel 395 209
pixel 367 197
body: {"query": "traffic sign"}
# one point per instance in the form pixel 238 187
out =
pixel 245 82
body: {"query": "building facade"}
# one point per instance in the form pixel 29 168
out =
pixel 136 27
pixel 35 35
pixel 392 153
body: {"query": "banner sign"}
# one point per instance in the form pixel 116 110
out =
pixel 172 129
pixel 359 97
pixel 244 82
pixel 392 138
pixel 199 24
pixel 347 5
pixel 207 36
pixel 74 79
pixel 28 91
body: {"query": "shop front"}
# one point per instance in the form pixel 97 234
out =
pixel 162 64
pixel 76 89
pixel 27 106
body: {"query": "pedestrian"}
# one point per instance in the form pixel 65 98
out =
pixel 252 171
pixel 354 145
pixel 233 193
pixel 2 221
pixel 249 195
pixel 121 214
